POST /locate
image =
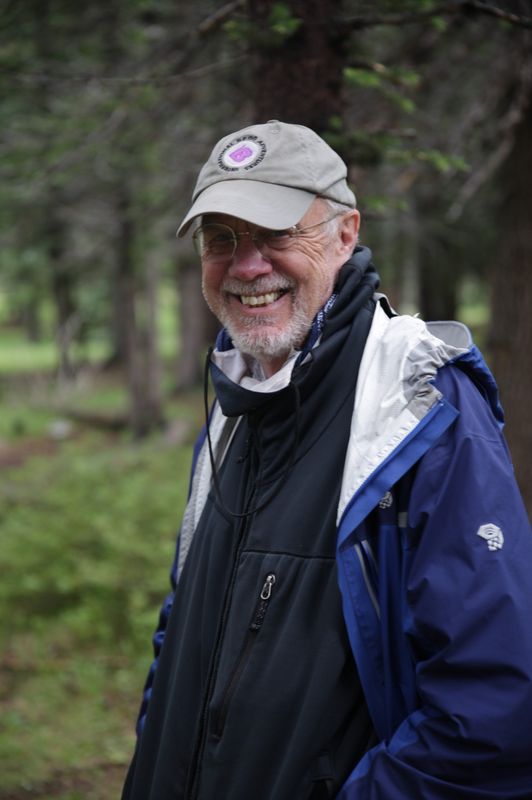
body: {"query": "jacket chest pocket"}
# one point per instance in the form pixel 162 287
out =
pixel 251 638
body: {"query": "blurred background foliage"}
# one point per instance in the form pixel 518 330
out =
pixel 107 112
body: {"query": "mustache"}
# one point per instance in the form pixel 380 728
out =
pixel 263 285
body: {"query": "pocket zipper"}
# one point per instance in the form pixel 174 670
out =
pixel 252 634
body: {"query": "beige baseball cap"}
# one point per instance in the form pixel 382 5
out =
pixel 269 175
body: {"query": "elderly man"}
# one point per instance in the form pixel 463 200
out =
pixel 351 614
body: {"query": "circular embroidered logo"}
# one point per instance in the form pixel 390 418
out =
pixel 243 153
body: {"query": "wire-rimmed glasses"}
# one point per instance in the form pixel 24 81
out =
pixel 215 241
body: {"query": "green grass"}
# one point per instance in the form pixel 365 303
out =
pixel 18 421
pixel 87 538
pixel 18 355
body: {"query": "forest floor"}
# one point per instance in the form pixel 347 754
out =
pixel 104 782
pixel 88 524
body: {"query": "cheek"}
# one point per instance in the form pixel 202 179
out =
pixel 208 277
pixel 210 292
pixel 311 264
pixel 316 282
pixel 212 279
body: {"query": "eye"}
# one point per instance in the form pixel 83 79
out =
pixel 274 238
pixel 219 238
pixel 216 235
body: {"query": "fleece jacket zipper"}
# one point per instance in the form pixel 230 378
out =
pixel 251 638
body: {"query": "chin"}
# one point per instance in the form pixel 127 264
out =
pixel 261 340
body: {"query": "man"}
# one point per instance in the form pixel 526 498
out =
pixel 352 609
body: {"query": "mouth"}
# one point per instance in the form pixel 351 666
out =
pixel 261 299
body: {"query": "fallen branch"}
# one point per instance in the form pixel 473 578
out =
pixel 110 422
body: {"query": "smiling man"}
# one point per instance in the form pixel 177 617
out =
pixel 351 594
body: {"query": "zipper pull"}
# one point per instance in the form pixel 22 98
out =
pixel 267 588
pixel 263 604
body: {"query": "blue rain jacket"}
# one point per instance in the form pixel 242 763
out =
pixel 434 555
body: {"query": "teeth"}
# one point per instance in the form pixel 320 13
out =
pixel 261 300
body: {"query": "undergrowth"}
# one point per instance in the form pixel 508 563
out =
pixel 87 536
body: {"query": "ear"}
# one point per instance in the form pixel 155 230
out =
pixel 348 234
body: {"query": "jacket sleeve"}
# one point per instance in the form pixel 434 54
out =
pixel 167 605
pixel 467 623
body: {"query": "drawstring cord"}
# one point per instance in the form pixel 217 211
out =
pixel 282 480
pixel 249 441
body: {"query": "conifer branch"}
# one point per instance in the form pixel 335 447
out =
pixel 459 6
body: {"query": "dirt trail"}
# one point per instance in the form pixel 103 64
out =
pixel 13 454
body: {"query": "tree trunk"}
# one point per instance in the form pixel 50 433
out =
pixel 67 319
pixel 511 334
pixel 30 319
pixel 410 267
pixel 62 281
pixel 298 79
pixel 153 360
pixel 118 326
pixel 438 290
pixel 145 407
pixel 440 270
pixel 198 325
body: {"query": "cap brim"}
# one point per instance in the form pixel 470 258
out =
pixel 266 204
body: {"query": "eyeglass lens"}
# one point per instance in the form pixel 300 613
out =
pixel 214 240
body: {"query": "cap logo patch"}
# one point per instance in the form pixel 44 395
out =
pixel 243 153
pixel 240 154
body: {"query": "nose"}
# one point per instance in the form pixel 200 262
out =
pixel 247 263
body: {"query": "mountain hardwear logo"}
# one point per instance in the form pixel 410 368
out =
pixel 386 501
pixel 493 535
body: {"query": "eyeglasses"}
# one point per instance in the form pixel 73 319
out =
pixel 216 242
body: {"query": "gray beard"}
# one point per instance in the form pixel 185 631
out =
pixel 259 340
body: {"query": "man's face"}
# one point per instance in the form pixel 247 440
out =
pixel 298 281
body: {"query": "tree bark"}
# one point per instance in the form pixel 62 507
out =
pixel 118 325
pixel 145 402
pixel 438 290
pixel 511 333
pixel 153 360
pixel 439 274
pixel 410 267
pixel 198 325
pixel 298 79
pixel 30 319
pixel 67 320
